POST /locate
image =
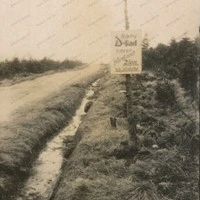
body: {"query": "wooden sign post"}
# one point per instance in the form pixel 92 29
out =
pixel 127 58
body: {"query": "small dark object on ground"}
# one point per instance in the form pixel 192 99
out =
pixel 88 106
pixel 113 122
pixel 125 152
pixel 124 143
pixel 70 145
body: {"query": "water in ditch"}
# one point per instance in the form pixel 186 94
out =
pixel 47 167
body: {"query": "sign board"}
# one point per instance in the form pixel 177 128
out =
pixel 126 52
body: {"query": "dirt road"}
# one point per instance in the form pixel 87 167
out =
pixel 28 93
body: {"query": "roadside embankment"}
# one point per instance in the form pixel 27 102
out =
pixel 22 139
pixel 101 167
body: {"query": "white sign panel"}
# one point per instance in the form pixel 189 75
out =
pixel 126 52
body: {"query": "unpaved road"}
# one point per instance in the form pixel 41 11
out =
pixel 27 93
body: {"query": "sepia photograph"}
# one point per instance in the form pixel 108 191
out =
pixel 99 99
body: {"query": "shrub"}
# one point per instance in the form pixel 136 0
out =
pixel 165 93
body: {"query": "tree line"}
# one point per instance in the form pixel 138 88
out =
pixel 25 67
pixel 178 60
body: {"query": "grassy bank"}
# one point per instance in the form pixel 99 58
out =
pixel 16 68
pixel 102 166
pixel 22 140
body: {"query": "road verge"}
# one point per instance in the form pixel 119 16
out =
pixel 30 132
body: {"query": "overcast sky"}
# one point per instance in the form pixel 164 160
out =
pixel 80 29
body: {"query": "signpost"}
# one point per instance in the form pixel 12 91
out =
pixel 127 59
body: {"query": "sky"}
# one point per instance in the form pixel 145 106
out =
pixel 81 29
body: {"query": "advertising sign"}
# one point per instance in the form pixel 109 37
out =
pixel 126 52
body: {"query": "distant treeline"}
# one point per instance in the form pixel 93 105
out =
pixel 178 60
pixel 24 67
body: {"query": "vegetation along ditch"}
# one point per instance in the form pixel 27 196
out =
pixel 47 167
pixel 31 132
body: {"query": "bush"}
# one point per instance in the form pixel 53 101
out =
pixel 165 93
